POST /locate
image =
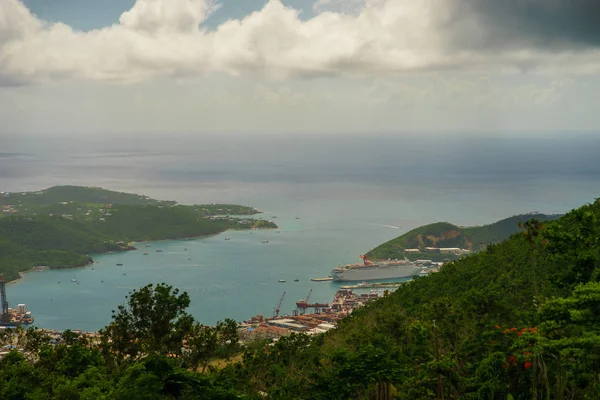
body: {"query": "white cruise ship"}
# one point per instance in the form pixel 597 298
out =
pixel 372 270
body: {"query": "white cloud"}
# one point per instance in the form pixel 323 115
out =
pixel 158 16
pixel 165 37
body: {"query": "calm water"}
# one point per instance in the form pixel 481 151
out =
pixel 350 193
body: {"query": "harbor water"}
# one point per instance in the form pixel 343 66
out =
pixel 333 200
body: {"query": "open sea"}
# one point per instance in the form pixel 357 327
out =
pixel 349 193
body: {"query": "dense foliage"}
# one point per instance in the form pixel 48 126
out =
pixel 444 234
pixel 516 321
pixel 150 351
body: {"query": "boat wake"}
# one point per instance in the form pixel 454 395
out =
pixel 391 226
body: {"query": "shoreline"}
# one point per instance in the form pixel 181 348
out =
pixel 131 247
pixel 32 269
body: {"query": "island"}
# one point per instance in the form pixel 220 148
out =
pixel 443 241
pixel 61 226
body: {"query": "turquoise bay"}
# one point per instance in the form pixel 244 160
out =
pixel 234 278
pixel 349 195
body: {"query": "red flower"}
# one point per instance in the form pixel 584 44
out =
pixel 505 365
pixel 527 365
pixel 496 326
pixel 512 359
pixel 513 329
pixel 533 330
pixel 527 353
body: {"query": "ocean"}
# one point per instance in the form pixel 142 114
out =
pixel 349 192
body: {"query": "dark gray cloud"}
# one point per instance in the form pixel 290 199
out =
pixel 508 24
pixel 11 81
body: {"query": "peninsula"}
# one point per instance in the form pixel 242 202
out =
pixel 61 226
pixel 443 241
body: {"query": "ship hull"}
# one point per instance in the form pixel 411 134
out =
pixel 374 273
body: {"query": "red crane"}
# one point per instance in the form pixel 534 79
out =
pixel 279 305
pixel 304 303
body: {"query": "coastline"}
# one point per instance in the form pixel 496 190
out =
pixel 130 246
pixel 33 269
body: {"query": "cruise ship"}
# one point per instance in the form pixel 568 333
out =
pixel 370 270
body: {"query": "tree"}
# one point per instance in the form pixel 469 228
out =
pixel 207 342
pixel 570 342
pixel 154 321
pixel 35 339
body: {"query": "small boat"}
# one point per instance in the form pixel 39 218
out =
pixel 146 253
pixel 147 245
pixel 73 279
pixel 274 216
pixel 189 258
pixel 92 268
pixel 296 280
pixel 265 241
pixel 297 217
pixel 185 249
pixel 119 264
pixel 227 238
pixel 159 250
pixel 282 280
pixel 124 273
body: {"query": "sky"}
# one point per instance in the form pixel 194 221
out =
pixel 87 67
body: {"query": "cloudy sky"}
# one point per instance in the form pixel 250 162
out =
pixel 135 66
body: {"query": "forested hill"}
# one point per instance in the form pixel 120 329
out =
pixel 85 202
pixel 444 234
pixel 61 226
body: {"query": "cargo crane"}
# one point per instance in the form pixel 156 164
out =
pixel 303 303
pixel 279 306
pixel 5 317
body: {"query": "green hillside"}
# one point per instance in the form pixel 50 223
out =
pixel 79 194
pixel 444 234
pixel 87 202
pixel 59 227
